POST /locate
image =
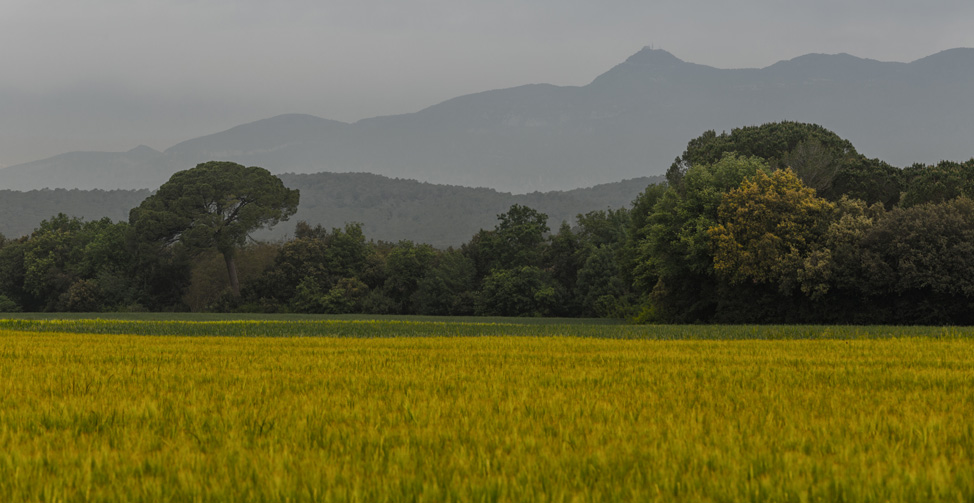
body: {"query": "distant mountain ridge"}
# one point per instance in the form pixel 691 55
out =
pixel 629 122
pixel 389 209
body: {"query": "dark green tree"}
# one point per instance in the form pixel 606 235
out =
pixel 319 260
pixel 12 275
pixel 675 260
pixel 449 288
pixel 604 263
pixel 67 264
pixel 774 142
pixel 936 184
pixel 517 240
pixel 7 305
pixel 608 228
pixel 602 289
pixel 214 205
pixel 924 255
pixel 406 265
pixel 639 215
pixel 521 291
pixel 821 159
pixel 564 256
pixel 869 180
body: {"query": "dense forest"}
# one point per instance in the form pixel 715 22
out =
pixel 784 222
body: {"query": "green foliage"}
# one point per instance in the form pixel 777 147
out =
pixel 853 260
pixel 564 257
pixel 605 259
pixel 779 252
pixel 602 289
pixel 346 296
pixel 214 205
pixel 317 258
pixel 53 257
pixel 641 278
pixel 406 266
pixel 642 207
pixel 838 263
pixel 925 247
pixel 517 240
pixel 604 227
pixel 12 274
pixel 209 286
pixel 8 306
pixel 524 291
pixel 678 242
pixel 814 148
pixel 821 159
pixel 673 268
pixel 70 265
pixel 449 287
pixel 869 180
pixel 940 183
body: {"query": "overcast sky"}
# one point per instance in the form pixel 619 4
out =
pixel 113 74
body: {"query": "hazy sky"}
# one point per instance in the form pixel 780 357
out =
pixel 112 74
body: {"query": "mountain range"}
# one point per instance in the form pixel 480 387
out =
pixel 629 122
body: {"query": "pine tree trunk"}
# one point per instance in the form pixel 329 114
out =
pixel 232 271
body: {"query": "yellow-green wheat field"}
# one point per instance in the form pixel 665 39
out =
pixel 118 417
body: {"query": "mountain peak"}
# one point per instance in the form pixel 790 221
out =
pixel 636 68
pixel 143 150
pixel 648 56
pixel 819 61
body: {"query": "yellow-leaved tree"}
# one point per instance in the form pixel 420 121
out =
pixel 767 228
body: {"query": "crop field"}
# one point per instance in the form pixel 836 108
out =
pixel 419 410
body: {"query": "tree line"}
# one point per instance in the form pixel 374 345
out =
pixel 779 223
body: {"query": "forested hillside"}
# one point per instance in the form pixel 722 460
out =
pixel 389 209
pixel 22 212
pixel 392 209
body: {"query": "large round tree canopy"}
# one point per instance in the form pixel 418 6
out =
pixel 215 204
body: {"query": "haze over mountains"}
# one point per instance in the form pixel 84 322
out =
pixel 629 122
